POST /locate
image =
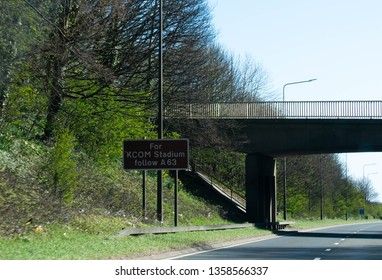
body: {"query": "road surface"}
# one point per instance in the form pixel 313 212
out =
pixel 350 242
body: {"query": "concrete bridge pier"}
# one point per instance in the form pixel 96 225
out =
pixel 260 189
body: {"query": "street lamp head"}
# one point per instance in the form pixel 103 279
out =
pixel 365 165
pixel 294 83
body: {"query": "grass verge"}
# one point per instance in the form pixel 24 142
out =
pixel 309 224
pixel 69 244
pixel 66 243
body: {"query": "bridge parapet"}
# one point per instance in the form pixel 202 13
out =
pixel 278 110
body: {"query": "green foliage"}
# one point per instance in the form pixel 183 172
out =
pixel 62 166
pixel 20 29
pixel 102 125
pixel 297 205
pixel 316 178
pixel 60 184
pixel 21 194
pixel 25 110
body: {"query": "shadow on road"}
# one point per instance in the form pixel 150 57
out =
pixel 358 235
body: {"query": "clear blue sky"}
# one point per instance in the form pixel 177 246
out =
pixel 337 42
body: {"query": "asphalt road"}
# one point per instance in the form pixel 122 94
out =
pixel 350 242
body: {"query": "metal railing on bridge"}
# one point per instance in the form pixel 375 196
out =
pixel 278 110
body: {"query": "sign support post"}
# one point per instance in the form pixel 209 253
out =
pixel 144 194
pixel 176 199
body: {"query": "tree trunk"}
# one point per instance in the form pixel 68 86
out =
pixel 55 96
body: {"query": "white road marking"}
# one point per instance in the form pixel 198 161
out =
pixel 328 250
pixel 317 259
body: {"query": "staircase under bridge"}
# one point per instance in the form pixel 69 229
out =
pixel 267 130
pixel 237 199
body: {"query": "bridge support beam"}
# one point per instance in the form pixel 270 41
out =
pixel 260 189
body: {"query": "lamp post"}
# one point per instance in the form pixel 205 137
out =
pixel 285 178
pixel 160 110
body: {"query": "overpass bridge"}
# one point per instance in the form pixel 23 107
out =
pixel 266 130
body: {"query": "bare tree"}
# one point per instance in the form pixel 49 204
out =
pixel 366 188
pixel 251 81
pixel 102 49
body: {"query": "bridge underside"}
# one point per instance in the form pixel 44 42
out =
pixel 276 138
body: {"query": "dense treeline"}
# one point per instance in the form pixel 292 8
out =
pixel 77 77
pixel 318 186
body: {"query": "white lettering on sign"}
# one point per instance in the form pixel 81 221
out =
pixel 155 146
pixel 138 154
pixel 146 163
pixel 170 154
pixel 168 162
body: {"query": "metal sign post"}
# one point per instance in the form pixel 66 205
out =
pixel 144 194
pixel 176 199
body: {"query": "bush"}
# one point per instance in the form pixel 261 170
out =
pixel 22 196
pixel 62 166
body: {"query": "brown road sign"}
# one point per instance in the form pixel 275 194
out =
pixel 165 154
